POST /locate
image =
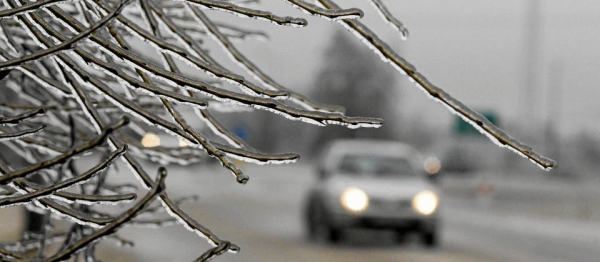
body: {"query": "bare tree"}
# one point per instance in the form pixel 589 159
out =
pixel 84 85
pixel 355 79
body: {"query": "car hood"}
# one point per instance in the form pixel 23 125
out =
pixel 381 188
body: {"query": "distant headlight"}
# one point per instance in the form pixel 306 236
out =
pixel 425 202
pixel 183 143
pixel 150 140
pixel 354 200
pixel 432 165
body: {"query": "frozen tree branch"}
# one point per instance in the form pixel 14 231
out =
pixel 336 14
pixel 158 208
pixel 72 214
pixel 41 145
pixel 171 207
pixel 155 223
pixel 63 184
pixel 18 118
pixel 29 7
pixel 92 199
pixel 211 67
pixel 241 32
pixel 7 178
pixel 64 45
pixel 111 228
pixel 9 254
pixel 253 69
pixel 320 118
pixel 247 12
pixel 387 15
pixel 20 134
pixel 213 252
pixel 212 151
pixel 475 119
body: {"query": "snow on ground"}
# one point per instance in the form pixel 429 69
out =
pixel 264 217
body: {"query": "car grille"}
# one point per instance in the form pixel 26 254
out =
pixel 390 205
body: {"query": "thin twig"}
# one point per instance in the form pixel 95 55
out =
pixel 127 216
pixel 21 134
pixel 18 118
pixel 63 184
pixel 64 45
pixel 247 12
pixel 29 7
pixel 7 178
pixel 352 13
pixel 387 15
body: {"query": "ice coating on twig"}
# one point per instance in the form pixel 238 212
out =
pixel 64 45
pixel 389 18
pixel 475 119
pixel 337 14
pixel 247 12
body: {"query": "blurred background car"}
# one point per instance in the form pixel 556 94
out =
pixel 372 184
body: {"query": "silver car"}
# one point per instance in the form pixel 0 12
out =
pixel 372 184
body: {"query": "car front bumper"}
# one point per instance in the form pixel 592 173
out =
pixel 399 223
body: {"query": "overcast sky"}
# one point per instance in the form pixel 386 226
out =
pixel 474 49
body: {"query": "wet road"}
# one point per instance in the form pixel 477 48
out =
pixel 264 218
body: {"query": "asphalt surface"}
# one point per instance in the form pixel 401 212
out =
pixel 264 217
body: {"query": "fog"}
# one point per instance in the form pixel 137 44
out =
pixel 475 50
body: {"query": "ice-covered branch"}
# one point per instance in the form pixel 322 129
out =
pixel 158 208
pixel 251 68
pixel 242 33
pixel 352 13
pixel 7 178
pixel 153 223
pixel 29 7
pixel 72 214
pixel 319 118
pixel 18 118
pixel 470 116
pixel 85 199
pixel 210 67
pixel 65 44
pixel 179 119
pixel 212 151
pixel 41 145
pixel 387 15
pixel 63 184
pixel 35 74
pixel 207 145
pixel 213 252
pixel 172 208
pixel 20 134
pixel 221 131
pixel 111 228
pixel 247 12
pixel 5 254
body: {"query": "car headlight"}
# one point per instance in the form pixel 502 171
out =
pixel 150 140
pixel 354 200
pixel 425 202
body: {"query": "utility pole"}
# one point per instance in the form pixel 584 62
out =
pixel 531 61
pixel 555 107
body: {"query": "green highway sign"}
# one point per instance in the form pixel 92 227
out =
pixel 463 128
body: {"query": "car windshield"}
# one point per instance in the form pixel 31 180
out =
pixel 382 166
